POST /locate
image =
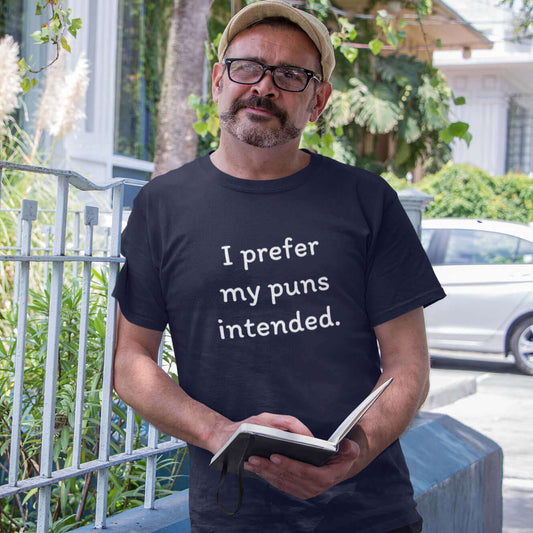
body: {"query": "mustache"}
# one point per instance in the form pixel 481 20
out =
pixel 259 102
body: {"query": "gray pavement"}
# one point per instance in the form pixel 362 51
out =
pixel 494 399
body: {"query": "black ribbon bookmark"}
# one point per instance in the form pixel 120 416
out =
pixel 241 479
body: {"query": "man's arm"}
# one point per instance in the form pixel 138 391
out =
pixel 154 395
pixel 405 357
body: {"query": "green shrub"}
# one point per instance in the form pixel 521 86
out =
pixel 458 191
pixel 469 192
pixel 512 199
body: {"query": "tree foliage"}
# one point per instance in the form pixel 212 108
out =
pixel 404 98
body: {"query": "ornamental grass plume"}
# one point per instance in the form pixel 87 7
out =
pixel 66 105
pixel 48 103
pixel 9 77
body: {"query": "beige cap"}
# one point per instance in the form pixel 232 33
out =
pixel 263 9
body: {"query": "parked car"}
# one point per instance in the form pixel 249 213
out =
pixel 486 269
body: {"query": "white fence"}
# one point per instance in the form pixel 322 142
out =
pixel 52 259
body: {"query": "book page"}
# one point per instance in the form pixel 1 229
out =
pixel 356 415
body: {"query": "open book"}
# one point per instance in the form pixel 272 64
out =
pixel 263 441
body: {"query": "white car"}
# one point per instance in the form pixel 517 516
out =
pixel 486 269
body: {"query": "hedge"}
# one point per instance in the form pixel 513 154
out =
pixel 469 192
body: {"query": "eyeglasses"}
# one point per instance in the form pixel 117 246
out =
pixel 285 77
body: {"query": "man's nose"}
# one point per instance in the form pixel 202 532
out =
pixel 266 86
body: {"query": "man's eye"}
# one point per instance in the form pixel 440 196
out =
pixel 247 67
pixel 292 74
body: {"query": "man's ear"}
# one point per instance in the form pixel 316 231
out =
pixel 218 72
pixel 321 99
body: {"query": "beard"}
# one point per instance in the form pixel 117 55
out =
pixel 259 135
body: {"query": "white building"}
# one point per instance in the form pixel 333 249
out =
pixel 498 87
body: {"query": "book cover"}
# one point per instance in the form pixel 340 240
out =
pixel 263 441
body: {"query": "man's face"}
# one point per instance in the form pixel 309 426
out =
pixel 262 114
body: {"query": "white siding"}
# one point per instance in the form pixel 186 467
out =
pixel 489 79
pixel 90 149
pixel 486 112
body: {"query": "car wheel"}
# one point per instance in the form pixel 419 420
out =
pixel 522 345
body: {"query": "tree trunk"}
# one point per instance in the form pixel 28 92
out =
pixel 184 66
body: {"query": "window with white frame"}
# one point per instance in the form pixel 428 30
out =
pixel 141 42
pixel 520 138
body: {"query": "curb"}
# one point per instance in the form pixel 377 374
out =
pixel 446 388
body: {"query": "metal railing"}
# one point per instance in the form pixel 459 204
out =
pixel 55 258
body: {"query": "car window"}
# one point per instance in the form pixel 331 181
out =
pixel 427 233
pixel 525 251
pixel 472 247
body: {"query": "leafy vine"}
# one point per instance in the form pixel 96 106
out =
pixel 55 32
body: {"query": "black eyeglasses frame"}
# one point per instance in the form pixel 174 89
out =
pixel 309 73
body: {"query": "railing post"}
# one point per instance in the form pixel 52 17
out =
pixel 130 430
pixel 17 265
pixel 28 214
pixel 76 236
pixel 47 232
pixel 52 355
pixel 91 220
pixel 107 385
pixel 106 241
pixel 151 462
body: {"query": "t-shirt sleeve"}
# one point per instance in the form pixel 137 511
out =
pixel 400 277
pixel 138 287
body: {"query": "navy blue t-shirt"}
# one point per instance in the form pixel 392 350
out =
pixel 271 290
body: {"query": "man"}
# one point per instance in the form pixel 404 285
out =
pixel 277 270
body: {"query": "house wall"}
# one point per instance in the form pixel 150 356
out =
pixel 486 111
pixel 489 80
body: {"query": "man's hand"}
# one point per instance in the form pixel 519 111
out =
pixel 223 431
pixel 295 477
pixel 302 479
